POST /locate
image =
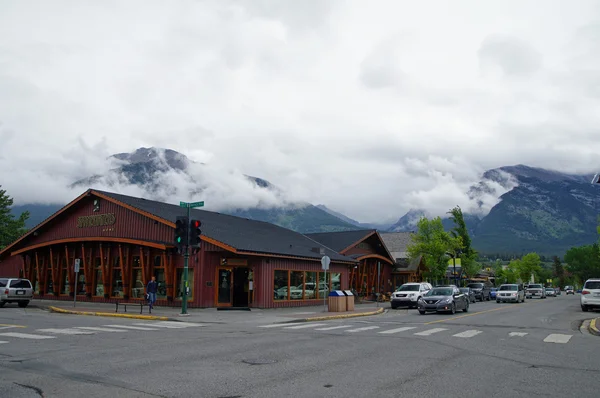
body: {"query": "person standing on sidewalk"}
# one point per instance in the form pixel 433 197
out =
pixel 151 290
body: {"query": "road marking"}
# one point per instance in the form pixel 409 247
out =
pixel 158 325
pixel 305 326
pixel 27 336
pixel 430 332
pixel 98 329
pixel 471 314
pixel 3 342
pixel 558 338
pixel 280 325
pixel 187 324
pixel 518 334
pixel 398 330
pixel 8 326
pixel 129 327
pixel 467 334
pixel 64 331
pixel 362 329
pixel 336 327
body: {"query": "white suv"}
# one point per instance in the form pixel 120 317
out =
pixel 590 294
pixel 408 294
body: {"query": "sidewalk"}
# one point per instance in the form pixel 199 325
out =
pixel 211 315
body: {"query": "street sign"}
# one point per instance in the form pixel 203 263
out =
pixel 184 204
pixel 325 260
pixel 77 262
pixel 192 205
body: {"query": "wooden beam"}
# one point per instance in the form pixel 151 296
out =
pixel 91 239
pixel 144 270
pixel 87 275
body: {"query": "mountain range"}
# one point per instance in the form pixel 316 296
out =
pixel 541 210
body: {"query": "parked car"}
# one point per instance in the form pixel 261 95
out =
pixel 469 292
pixel 481 290
pixel 443 299
pixel 511 292
pixel 590 294
pixel 557 290
pixel 15 290
pixel 408 294
pixel 493 291
pixel 569 290
pixel 535 290
pixel 550 292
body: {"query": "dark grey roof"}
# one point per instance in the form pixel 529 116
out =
pixel 396 242
pixel 405 264
pixel 339 241
pixel 241 233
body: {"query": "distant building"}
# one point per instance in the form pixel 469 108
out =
pixel 404 270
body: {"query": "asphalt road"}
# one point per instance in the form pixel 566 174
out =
pixel 494 350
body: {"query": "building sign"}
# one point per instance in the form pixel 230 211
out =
pixel 96 220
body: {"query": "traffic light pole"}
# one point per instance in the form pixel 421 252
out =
pixel 186 259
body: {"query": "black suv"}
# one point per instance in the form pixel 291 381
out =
pixel 481 290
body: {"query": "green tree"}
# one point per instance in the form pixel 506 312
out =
pixel 558 271
pixel 583 262
pixel 10 227
pixel 460 233
pixel 511 273
pixel 433 243
pixel 529 265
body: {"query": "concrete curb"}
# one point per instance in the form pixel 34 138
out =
pixel 341 316
pixel 109 314
pixel 593 328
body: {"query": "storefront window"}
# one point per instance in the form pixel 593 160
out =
pixel 159 273
pixel 335 282
pixel 64 289
pixel 49 283
pixel 180 286
pixel 324 283
pixel 310 286
pixel 296 285
pixel 137 284
pixel 280 285
pixel 117 280
pixel 81 281
pixel 99 287
pixel 34 282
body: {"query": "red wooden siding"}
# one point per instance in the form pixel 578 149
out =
pixel 10 266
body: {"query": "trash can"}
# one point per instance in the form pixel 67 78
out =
pixel 349 300
pixel 337 301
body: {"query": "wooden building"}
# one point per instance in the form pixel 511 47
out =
pixel 405 270
pixel 122 241
pixel 374 260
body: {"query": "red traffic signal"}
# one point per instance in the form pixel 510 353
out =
pixel 195 233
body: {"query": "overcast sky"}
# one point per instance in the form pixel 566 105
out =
pixel 370 107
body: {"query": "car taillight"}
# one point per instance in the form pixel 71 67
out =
pixel 585 292
pixel 6 291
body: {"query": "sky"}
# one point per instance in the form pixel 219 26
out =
pixel 371 108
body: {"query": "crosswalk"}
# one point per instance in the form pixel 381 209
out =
pixel 555 338
pixel 52 333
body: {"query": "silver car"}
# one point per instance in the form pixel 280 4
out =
pixel 510 292
pixel 15 290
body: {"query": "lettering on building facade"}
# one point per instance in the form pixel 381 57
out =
pixel 96 220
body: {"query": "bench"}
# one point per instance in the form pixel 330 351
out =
pixel 140 303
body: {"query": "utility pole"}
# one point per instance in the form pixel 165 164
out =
pixel 186 254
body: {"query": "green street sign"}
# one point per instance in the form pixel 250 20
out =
pixel 196 204
pixel 183 204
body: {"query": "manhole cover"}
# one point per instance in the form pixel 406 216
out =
pixel 259 361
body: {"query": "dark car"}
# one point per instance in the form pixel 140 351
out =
pixel 493 292
pixel 469 293
pixel 443 299
pixel 481 290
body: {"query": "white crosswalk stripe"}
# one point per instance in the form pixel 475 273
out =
pixel 362 329
pixel 305 326
pixel 99 329
pixel 430 332
pixel 3 342
pixel 27 336
pixel 130 327
pixel 558 338
pixel 280 325
pixel 397 330
pixel 467 334
pixel 188 324
pixel 159 325
pixel 518 334
pixel 335 327
pixel 65 331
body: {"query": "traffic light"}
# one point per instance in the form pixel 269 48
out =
pixel 195 233
pixel 181 233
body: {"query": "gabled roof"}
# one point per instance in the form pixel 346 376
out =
pixel 397 242
pixel 341 241
pixel 240 234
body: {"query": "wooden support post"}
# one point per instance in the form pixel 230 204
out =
pixel 39 275
pixel 87 274
pixel 143 265
pixel 169 282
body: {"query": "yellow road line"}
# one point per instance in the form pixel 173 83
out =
pixel 471 314
pixel 11 326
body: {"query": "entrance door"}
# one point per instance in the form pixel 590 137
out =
pixel 240 287
pixel 224 287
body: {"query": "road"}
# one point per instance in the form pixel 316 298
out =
pixel 494 350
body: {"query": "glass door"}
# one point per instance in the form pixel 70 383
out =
pixel 224 287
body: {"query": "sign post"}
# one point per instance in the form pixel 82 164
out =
pixel 76 266
pixel 325 260
pixel 186 256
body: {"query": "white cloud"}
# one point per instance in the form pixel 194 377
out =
pixel 369 108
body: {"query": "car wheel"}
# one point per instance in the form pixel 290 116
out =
pixel 488 298
pixel 421 312
pixel 584 308
pixel 498 301
pixel 2 303
pixel 453 309
pixel 466 309
pixel 23 304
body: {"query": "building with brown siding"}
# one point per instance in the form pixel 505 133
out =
pixel 405 269
pixel 122 241
pixel 374 260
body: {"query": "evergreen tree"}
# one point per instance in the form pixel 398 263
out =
pixel 11 228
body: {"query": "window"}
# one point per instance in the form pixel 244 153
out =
pixel 280 285
pixel 159 273
pixel 49 283
pixel 81 282
pixel 117 280
pixel 296 285
pixel 137 284
pixel 99 284
pixel 64 279
pixel 20 284
pixel 335 282
pixel 592 285
pixel 3 282
pixel 324 283
pixel 180 286
pixel 310 285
